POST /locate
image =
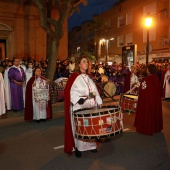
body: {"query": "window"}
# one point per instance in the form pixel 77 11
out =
pixel 129 39
pixel 121 21
pixel 120 41
pixel 129 18
pixel 163 14
pixel 150 8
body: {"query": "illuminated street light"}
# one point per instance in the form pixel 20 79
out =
pixel 148 23
pixel 106 41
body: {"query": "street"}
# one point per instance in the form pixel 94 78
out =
pixel 39 146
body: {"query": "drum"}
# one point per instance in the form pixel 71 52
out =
pixel 104 78
pixel 59 88
pixel 98 123
pixel 128 102
pixel 41 95
pixel 109 89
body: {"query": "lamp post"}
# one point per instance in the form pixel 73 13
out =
pixel 106 41
pixel 148 23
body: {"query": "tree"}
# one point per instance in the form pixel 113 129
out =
pixel 53 27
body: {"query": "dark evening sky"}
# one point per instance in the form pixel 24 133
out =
pixel 86 12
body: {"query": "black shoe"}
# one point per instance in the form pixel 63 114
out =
pixel 44 120
pixel 77 153
pixel 38 121
pixel 94 150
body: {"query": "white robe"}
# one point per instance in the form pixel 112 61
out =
pixel 81 87
pixel 167 87
pixel 7 90
pixel 24 84
pixel 39 108
pixel 134 80
pixel 2 95
pixel 28 74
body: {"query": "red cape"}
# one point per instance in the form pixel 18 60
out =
pixel 148 118
pixel 68 134
pixel 28 102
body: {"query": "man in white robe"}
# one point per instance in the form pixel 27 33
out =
pixel 166 84
pixel 134 81
pixel 2 96
pixel 7 89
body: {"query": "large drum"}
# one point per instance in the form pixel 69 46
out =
pixel 98 123
pixel 109 89
pixel 59 87
pixel 129 102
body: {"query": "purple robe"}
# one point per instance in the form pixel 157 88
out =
pixel 17 101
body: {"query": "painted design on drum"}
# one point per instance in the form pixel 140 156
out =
pixel 105 130
pixel 86 122
pixel 101 122
pixel 79 123
pixel 109 120
pixel 144 85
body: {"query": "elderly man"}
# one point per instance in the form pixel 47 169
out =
pixel 16 77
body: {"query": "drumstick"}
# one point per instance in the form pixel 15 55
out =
pixel 130 90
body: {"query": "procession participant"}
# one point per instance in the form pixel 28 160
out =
pixel 148 118
pixel 166 83
pixel 119 83
pixel 29 71
pixel 35 108
pixel 7 87
pixel 16 77
pixel 72 65
pixel 2 96
pixel 131 81
pixel 81 93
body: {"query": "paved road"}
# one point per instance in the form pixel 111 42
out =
pixel 33 146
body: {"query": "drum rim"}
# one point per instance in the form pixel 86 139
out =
pixel 79 111
pixel 107 135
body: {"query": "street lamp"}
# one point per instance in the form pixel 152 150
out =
pixel 148 23
pixel 106 41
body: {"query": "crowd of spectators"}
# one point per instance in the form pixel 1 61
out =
pixel 116 73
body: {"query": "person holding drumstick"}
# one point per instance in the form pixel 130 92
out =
pixel 80 93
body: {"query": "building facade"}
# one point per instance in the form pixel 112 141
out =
pixel 123 25
pixel 22 36
pixel 81 38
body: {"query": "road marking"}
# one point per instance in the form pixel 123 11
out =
pixel 124 130
pixel 59 147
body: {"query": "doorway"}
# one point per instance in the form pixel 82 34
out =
pixel 2 49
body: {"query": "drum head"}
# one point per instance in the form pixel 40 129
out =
pixel 104 78
pixel 110 88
